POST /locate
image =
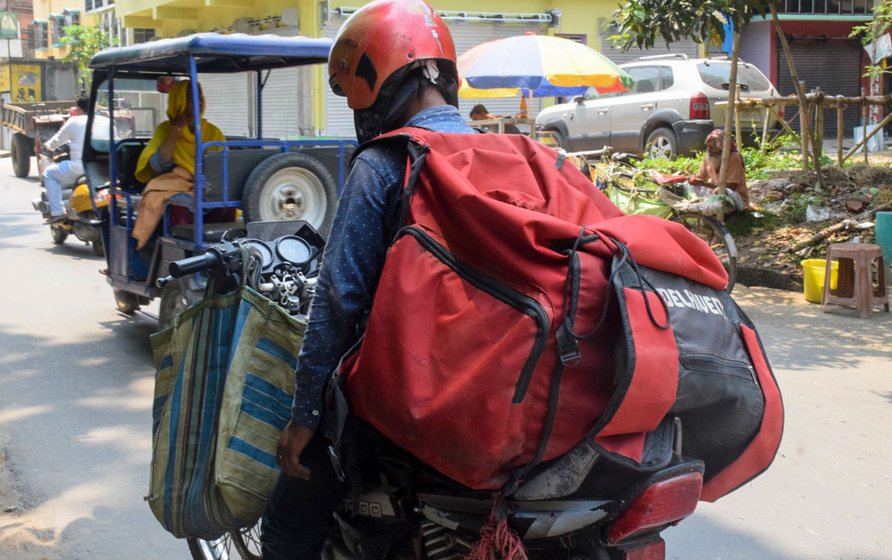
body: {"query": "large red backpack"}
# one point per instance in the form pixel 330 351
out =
pixel 491 345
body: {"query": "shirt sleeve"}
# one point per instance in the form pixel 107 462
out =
pixel 61 137
pixel 351 267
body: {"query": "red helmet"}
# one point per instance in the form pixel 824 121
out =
pixel 379 39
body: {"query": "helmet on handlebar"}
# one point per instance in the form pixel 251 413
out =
pixel 382 57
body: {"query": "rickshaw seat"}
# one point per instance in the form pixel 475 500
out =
pixel 213 232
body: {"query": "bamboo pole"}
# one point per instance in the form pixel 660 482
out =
pixel 803 127
pixel 732 98
pixel 800 91
pixel 819 124
pixel 840 132
pixel 867 137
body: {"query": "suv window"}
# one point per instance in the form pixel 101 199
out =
pixel 718 74
pixel 647 78
pixel 666 77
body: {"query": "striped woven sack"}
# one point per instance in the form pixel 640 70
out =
pixel 223 391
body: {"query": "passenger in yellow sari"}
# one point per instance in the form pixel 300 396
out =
pixel 167 163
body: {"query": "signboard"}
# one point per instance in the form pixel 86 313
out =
pixel 879 49
pixel 25 83
pixel 4 78
pixel 9 25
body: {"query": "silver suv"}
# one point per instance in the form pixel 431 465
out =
pixel 674 104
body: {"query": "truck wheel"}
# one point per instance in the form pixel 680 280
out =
pixel 127 303
pixel 661 143
pixel 291 186
pixel 173 302
pixel 21 153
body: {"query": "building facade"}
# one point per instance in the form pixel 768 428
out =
pixel 301 99
pixel 825 55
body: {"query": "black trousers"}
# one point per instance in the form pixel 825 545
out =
pixel 299 512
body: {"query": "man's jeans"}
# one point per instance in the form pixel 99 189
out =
pixel 299 512
pixel 56 177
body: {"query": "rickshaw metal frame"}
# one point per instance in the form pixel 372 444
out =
pixel 188 57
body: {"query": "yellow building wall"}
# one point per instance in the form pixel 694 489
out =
pixel 42 11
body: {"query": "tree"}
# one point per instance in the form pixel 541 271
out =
pixel 83 42
pixel 642 22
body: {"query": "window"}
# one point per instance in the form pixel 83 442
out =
pixel 40 35
pixel 56 24
pixel 72 17
pixel 718 75
pixel 143 35
pixel 647 78
pixel 666 77
pixel 579 38
pixel 88 5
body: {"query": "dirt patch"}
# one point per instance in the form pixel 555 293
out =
pixel 792 208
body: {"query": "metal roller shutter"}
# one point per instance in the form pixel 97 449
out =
pixel 813 58
pixel 687 47
pixel 227 104
pixel 339 117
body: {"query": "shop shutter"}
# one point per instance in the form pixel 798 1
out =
pixel 339 117
pixel 227 102
pixel 812 59
pixel 686 47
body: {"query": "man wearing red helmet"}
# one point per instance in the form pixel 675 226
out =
pixel 394 61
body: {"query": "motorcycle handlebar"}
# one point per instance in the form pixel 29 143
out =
pixel 192 265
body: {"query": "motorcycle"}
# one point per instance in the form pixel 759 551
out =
pixel 581 506
pixel 84 211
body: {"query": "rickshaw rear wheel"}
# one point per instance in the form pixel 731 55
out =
pixel 127 302
pixel 58 234
pixel 291 186
pixel 98 249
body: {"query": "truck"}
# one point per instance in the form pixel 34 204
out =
pixel 31 125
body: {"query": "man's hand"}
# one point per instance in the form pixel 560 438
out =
pixel 291 445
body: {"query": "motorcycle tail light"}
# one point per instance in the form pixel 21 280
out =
pixel 662 503
pixel 102 196
pixel 699 106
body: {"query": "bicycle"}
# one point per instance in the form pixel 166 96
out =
pixel 622 183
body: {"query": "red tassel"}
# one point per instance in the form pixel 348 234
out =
pixel 497 540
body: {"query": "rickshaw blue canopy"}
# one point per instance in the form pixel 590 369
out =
pixel 214 52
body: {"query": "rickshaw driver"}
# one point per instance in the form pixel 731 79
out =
pixel 395 62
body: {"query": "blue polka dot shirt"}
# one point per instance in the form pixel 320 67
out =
pixel 354 256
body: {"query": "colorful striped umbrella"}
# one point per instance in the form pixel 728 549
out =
pixel 539 65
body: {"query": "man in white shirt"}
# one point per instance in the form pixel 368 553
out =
pixel 64 174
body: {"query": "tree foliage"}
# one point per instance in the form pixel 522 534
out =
pixel 83 42
pixel 873 30
pixel 641 23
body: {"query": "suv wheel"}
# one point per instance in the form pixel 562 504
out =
pixel 661 143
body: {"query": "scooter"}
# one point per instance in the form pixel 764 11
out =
pixel 83 211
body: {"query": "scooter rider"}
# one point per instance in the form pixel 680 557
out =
pixel 65 174
pixel 395 62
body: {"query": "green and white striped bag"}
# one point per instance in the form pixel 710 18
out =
pixel 223 391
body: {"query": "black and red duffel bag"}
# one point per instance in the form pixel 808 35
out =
pixel 491 343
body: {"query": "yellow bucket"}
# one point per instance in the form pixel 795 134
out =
pixel 813 278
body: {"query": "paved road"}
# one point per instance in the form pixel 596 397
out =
pixel 76 384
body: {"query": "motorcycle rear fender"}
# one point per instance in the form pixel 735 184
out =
pixel 566 474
